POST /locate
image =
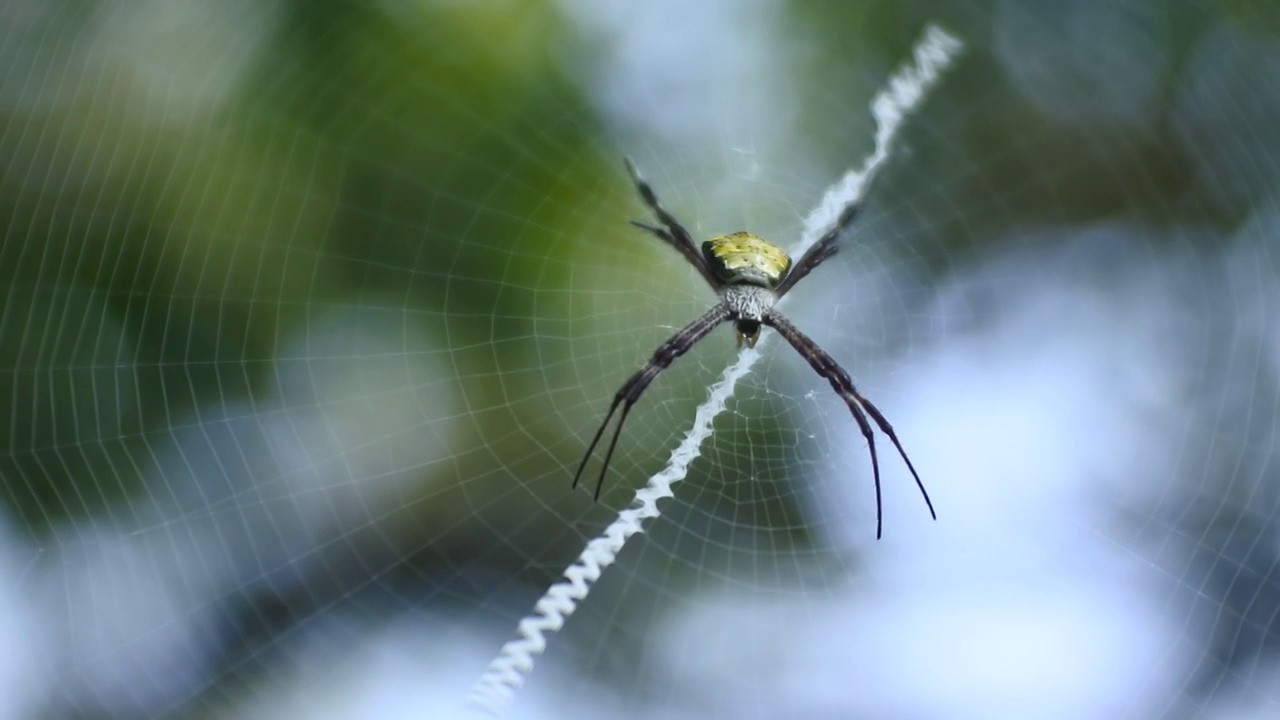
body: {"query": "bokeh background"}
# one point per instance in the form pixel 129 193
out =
pixel 310 308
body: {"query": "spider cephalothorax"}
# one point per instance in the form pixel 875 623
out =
pixel 747 305
pixel 750 275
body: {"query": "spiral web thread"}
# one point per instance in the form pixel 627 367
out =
pixel 506 672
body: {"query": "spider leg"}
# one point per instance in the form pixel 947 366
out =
pixel 821 250
pixel 634 387
pixel 827 367
pixel 826 245
pixel 887 429
pixel 675 234
pixel 613 443
pixel 655 230
pixel 865 427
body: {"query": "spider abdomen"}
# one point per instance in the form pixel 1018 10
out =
pixel 744 257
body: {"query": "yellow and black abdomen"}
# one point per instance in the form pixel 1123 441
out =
pixel 744 257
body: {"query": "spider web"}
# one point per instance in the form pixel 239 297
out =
pixel 310 310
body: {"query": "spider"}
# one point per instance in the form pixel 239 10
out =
pixel 750 275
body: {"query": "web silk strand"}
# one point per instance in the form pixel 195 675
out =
pixel 506 673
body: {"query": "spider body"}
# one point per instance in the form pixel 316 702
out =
pixel 744 257
pixel 750 275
